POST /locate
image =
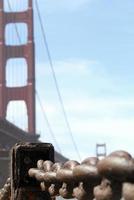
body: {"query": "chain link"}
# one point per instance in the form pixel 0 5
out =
pixel 111 178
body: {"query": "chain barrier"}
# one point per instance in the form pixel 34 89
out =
pixel 111 178
pixel 5 192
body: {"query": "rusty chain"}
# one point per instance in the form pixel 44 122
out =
pixel 5 192
pixel 111 178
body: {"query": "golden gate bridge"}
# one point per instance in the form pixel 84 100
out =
pixel 17 79
pixel 18 93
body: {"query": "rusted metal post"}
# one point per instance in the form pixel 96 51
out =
pixel 24 157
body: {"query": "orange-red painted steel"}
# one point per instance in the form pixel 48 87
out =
pixel 26 51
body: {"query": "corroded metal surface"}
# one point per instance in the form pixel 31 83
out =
pixel 111 178
pixel 25 156
pixel 70 179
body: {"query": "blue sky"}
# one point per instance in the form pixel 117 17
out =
pixel 91 44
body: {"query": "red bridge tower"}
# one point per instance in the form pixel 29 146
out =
pixel 26 51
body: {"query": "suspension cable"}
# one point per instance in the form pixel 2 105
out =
pixel 55 80
pixel 47 121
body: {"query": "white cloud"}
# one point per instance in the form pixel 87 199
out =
pixel 102 127
pixel 103 123
pixel 88 75
pixel 87 131
pixel 98 105
pixel 65 67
